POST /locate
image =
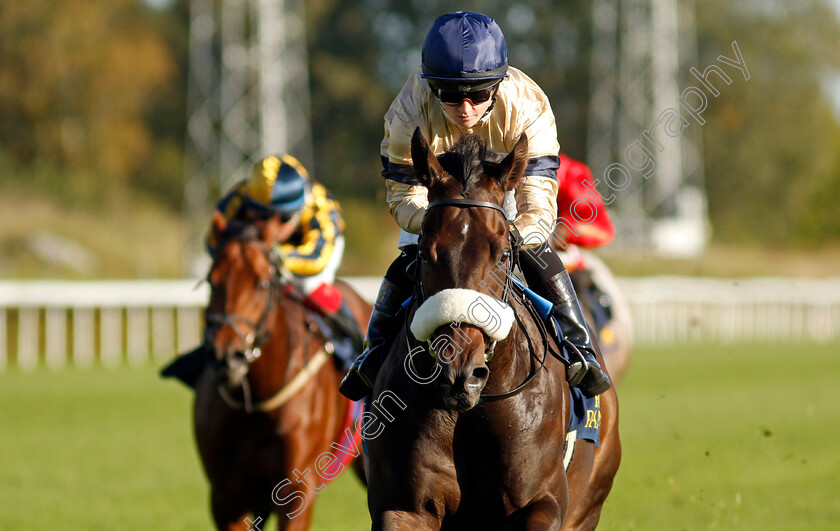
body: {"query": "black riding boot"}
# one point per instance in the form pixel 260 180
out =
pixel 188 366
pixel 383 326
pixel 545 273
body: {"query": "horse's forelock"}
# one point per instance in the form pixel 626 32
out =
pixel 240 230
pixel 235 231
pixel 464 161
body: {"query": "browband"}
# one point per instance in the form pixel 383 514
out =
pixel 465 203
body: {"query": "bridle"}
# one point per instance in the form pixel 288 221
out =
pixel 513 236
pixel 258 333
pixel 515 245
pixel 510 286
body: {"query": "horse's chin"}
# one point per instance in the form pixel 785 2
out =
pixel 458 401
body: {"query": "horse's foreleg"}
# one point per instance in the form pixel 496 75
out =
pixel 227 517
pixel 299 523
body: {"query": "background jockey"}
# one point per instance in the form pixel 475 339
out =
pixel 583 223
pixel 281 186
pixel 465 85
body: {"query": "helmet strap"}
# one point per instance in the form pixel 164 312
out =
pixel 486 114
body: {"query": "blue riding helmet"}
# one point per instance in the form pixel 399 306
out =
pixel 464 51
pixel 279 182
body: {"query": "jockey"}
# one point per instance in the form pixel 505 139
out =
pixel 583 223
pixel 465 85
pixel 281 186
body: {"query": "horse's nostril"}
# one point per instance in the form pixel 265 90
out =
pixel 480 374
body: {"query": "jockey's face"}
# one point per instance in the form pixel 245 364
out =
pixel 466 113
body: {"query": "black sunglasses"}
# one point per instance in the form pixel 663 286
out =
pixel 456 97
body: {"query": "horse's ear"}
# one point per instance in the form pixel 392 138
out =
pixel 219 224
pixel 512 167
pixel 427 169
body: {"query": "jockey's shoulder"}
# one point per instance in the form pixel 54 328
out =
pixel 322 196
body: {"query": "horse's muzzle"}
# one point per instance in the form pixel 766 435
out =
pixel 460 389
pixel 236 365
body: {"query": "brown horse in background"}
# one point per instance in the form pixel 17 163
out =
pixel 613 330
pixel 267 412
pixel 477 430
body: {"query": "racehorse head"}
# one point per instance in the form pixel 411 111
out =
pixel 465 256
pixel 244 290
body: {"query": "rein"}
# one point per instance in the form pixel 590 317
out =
pixel 516 244
pixel 253 341
pixel 287 391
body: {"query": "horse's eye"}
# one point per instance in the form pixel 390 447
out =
pixel 505 255
pixel 422 254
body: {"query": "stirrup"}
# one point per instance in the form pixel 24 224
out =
pixel 594 382
pixel 576 370
pixel 586 375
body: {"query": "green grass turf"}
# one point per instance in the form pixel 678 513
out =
pixel 714 438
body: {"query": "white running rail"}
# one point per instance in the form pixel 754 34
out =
pixel 81 323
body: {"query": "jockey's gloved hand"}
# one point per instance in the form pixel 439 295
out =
pixel 278 256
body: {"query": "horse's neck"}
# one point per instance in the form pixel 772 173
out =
pixel 282 352
pixel 509 366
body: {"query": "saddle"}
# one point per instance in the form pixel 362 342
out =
pixel 332 315
pixel 342 333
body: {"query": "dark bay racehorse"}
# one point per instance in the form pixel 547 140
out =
pixel 267 412
pixel 476 434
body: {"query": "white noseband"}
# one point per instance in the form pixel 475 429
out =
pixel 462 306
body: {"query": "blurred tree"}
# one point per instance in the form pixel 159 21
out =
pixel 75 79
pixel 165 112
pixel 361 54
pixel 92 92
pixel 347 97
pixel 770 143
